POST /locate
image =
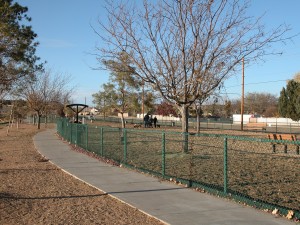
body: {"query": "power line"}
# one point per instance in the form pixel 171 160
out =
pixel 264 82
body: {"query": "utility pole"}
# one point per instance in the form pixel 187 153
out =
pixel 143 99
pixel 242 100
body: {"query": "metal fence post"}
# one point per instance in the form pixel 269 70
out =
pixel 87 137
pixel 62 124
pixel 63 129
pixel 101 141
pixel 163 153
pixel 76 141
pixel 70 139
pixel 225 166
pixel 125 145
pixel 58 125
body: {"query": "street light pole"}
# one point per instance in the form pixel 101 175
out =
pixel 242 100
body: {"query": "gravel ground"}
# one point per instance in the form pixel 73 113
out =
pixel 34 191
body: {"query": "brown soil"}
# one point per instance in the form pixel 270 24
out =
pixel 34 191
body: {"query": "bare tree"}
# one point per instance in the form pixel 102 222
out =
pixel 259 103
pixel 185 48
pixel 47 92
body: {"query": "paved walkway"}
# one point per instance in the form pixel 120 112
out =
pixel 163 200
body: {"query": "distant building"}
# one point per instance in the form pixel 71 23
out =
pixel 94 111
pixel 246 118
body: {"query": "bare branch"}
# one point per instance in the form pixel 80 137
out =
pixel 185 49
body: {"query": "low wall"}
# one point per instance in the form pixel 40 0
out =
pixel 273 121
pixel 270 121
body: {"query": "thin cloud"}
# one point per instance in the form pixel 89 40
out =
pixel 55 43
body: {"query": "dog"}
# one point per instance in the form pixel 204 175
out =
pixel 137 125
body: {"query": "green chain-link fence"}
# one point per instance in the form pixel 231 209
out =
pixel 216 124
pixel 245 169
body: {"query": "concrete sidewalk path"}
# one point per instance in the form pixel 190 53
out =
pixel 163 200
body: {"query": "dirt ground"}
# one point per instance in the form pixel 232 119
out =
pixel 253 170
pixel 34 191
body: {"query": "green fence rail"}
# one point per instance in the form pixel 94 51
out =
pixel 241 168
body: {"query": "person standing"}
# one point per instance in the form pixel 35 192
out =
pixel 154 121
pixel 150 121
pixel 146 120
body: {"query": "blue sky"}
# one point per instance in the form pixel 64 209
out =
pixel 271 74
pixel 67 43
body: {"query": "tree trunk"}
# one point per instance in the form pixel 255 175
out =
pixel 185 118
pixel 122 120
pixel 39 121
pixel 198 123
pixel 185 128
pixel 46 121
